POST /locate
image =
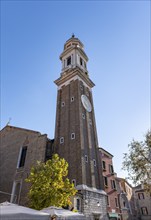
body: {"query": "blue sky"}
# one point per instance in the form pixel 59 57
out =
pixel 116 36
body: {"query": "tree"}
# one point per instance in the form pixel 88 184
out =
pixel 49 185
pixel 138 162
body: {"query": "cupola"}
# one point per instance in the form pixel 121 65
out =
pixel 73 55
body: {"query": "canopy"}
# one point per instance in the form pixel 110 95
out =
pixel 63 214
pixel 10 211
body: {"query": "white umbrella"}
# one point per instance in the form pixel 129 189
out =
pixel 63 214
pixel 10 211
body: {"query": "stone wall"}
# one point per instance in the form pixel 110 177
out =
pixel 93 202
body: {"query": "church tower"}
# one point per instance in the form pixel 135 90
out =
pixel 75 133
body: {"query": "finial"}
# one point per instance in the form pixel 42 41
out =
pixel 73 35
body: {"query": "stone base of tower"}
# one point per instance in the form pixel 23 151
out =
pixel 92 202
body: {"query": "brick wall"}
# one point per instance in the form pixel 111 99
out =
pixel 12 140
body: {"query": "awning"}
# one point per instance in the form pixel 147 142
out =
pixel 113 215
pixel 10 211
pixel 63 214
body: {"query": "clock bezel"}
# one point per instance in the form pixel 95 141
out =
pixel 86 103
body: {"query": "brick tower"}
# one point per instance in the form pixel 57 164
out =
pixel 75 132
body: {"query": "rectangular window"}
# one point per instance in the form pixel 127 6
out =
pixel 86 158
pixel 68 61
pixel 61 140
pixel 116 202
pixel 94 162
pixel 81 61
pixel 111 170
pixel 113 185
pixel 72 99
pixel 104 165
pixel 74 182
pixel 72 136
pixel 141 196
pixel 105 181
pixel 144 210
pixel 22 157
pixel 63 104
pixel 78 205
pixel 83 115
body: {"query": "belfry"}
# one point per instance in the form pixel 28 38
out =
pixel 75 131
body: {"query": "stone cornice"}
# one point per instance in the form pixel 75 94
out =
pixel 69 74
pixel 91 189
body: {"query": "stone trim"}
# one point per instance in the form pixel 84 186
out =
pixel 91 189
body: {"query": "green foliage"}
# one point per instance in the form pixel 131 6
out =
pixel 138 162
pixel 49 185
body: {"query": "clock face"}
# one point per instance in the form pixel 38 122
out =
pixel 86 103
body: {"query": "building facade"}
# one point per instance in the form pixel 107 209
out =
pixel 128 209
pixel 143 203
pixel 20 149
pixel 75 131
pixel 109 177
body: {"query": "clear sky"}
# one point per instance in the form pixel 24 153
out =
pixel 116 35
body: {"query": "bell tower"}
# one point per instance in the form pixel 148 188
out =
pixel 75 132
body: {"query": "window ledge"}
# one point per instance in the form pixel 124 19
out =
pixel 20 169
